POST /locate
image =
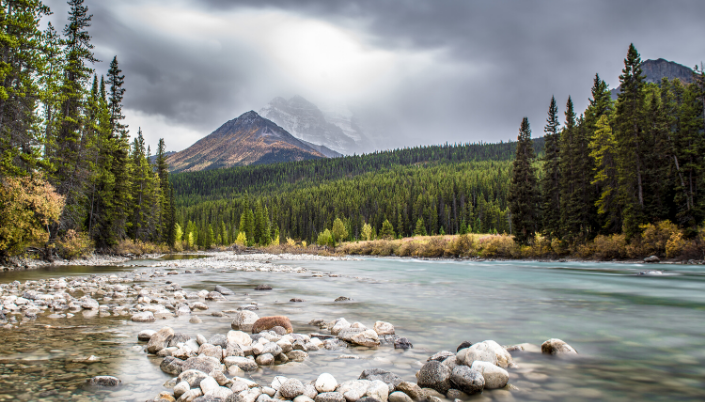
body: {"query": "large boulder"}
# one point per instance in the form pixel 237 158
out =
pixel 244 320
pixel 557 347
pixel 467 380
pixel 486 351
pixel 495 377
pixel 434 375
pixel 387 377
pixel 160 340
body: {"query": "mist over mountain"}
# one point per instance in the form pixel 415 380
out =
pixel 335 127
pixel 247 140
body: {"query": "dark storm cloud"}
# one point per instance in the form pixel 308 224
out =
pixel 504 59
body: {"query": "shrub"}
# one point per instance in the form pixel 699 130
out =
pixel 654 238
pixel 74 245
pixel 325 239
pixel 610 247
pixel 241 239
pixel 675 245
pixel 459 246
pixel 496 246
pixel 290 242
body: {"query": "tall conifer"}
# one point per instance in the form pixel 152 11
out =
pixel 523 194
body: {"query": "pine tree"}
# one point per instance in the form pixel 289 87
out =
pixel 629 140
pixel 122 197
pixel 551 182
pixel 259 224
pixel 523 196
pixel 387 231
pixel 420 229
pixel 166 221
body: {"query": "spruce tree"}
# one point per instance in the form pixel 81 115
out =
pixel 523 195
pixel 387 231
pixel 551 182
pixel 420 229
pixel 629 139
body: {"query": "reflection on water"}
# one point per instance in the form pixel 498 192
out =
pixel 639 338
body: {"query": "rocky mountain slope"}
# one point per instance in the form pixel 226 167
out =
pixel 655 70
pixel 335 127
pixel 247 140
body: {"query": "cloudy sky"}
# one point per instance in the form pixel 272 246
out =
pixel 419 72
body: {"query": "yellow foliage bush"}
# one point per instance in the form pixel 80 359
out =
pixel 675 245
pixel 138 248
pixel 497 246
pixel 27 206
pixel 74 245
pixel 609 247
pixel 655 237
pixel 290 242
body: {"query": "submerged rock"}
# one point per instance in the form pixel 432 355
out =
pixel 387 377
pixel 495 377
pixel 557 347
pixel 104 381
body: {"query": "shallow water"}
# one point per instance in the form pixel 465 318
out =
pixel 639 337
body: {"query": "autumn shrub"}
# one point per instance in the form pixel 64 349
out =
pixel 405 249
pixel 435 247
pixel 675 245
pixel 459 246
pixel 74 245
pixel 27 206
pixel 610 247
pixel 138 248
pixel 655 237
pixel 382 248
pixel 497 246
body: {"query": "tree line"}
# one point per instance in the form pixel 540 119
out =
pixel 67 163
pixel 619 166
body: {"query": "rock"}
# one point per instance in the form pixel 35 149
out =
pixel 326 383
pixel 223 290
pixel 402 343
pixel 235 371
pixel 88 304
pixel 414 391
pixel 387 377
pixel 181 388
pixel 399 396
pixel 104 381
pixel 367 338
pixel 239 386
pixel 145 316
pixel 244 320
pixel 160 339
pixel 233 349
pixel 456 394
pixel 200 339
pixel 296 300
pixel 243 363
pixel 179 338
pixel 278 381
pixel 463 345
pixel 263 287
pixel 297 355
pixel 383 328
pixel 218 394
pixel 557 347
pixel 195 320
pixel 213 351
pixel 199 306
pixel 339 325
pixel 249 395
pixel 191 395
pixel 434 375
pixel 145 335
pixel 310 390
pixel 467 380
pixel 239 338
pixel 441 356
pixel 378 390
pixel 208 384
pixel 330 397
pixel 171 365
pixel 165 396
pixel 206 364
pixel 486 351
pixel 342 299
pixel 267 323
pixel 652 259
pixel 495 377
pixel 291 388
pixel 450 362
pixel 265 359
pixel 272 348
pixel 353 390
pixel 303 398
pixel 192 377
pixel 524 347
pixel 219 340
pixel 279 330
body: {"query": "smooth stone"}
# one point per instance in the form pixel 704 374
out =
pixel 191 395
pixel 326 383
pixel 412 390
pixel 239 386
pixel 378 390
pixel 557 347
pixel 172 365
pixel 223 290
pixel 181 388
pixel 265 359
pixel 291 388
pixel 195 320
pixel 218 394
pixel 239 337
pixel 486 351
pixel 206 364
pixel 495 376
pixel 249 395
pixel 303 398
pixel 104 381
pixel 145 335
pixel 242 363
pixel 339 325
pixel 192 377
pixel 383 328
pixel 160 339
pixel 330 397
pixel 467 380
pixel 524 347
pixel 441 356
pixel 387 377
pixel 463 345
pixel 145 316
pixel 434 375
pixel 207 384
pixel 278 381
pixel 297 355
pixel 399 396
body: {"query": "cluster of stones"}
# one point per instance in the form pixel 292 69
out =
pixel 62 297
pixel 360 335
pixel 476 367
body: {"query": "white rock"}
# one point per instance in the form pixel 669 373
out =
pixel 208 384
pixel 486 351
pixel 378 390
pixel 326 383
pixel 339 325
pixel 239 337
pixel 383 328
pixel 244 320
pixel 495 377
pixel 220 393
pixel 181 388
pixel 278 381
pixel 145 316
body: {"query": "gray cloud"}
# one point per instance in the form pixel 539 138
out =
pixel 491 63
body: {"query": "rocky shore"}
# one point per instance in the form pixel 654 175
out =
pixel 217 368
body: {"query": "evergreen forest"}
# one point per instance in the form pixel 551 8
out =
pixel 72 180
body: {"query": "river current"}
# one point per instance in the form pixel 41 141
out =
pixel 639 337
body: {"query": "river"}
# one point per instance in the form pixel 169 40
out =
pixel 639 337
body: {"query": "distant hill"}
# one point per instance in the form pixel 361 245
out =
pixel 247 140
pixel 335 127
pixel 655 70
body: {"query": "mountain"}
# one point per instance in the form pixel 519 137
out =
pixel 247 140
pixel 655 70
pixel 334 127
